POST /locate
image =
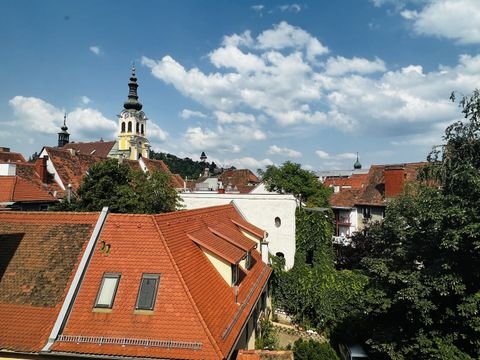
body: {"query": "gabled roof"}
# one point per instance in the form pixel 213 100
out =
pixel 158 165
pixel 372 190
pixel 242 179
pixel 213 297
pixel 98 148
pixel 232 236
pixel 28 172
pixel 39 253
pixel 16 189
pixel 224 249
pixel 355 181
pixel 196 314
pixel 71 167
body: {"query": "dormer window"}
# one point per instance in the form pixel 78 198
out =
pixel 147 292
pixel 107 291
pixel 235 276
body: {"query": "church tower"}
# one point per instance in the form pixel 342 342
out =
pixel 132 125
pixel 63 136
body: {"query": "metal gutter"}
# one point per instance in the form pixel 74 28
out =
pixel 75 285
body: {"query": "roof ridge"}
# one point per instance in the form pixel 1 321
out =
pixel 187 291
pixel 190 212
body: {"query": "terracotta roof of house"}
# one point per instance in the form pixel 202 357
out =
pixel 196 315
pixel 97 148
pixel 28 172
pixel 355 181
pixel 214 298
pixel 7 156
pixel 16 189
pixel 243 179
pixel 159 165
pixel 71 168
pixel 232 236
pixel 39 253
pixel 372 191
pixel 224 249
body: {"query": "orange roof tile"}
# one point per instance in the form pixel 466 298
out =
pixel 38 258
pixel 158 165
pixel 249 227
pixel 218 246
pixel 243 179
pixel 16 189
pixel 7 156
pixel 71 168
pixel 233 236
pixel 97 148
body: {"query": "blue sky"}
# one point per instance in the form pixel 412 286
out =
pixel 251 83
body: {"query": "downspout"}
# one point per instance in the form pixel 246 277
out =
pixel 75 285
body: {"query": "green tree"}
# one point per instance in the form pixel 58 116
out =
pixel 423 296
pixel 123 190
pixel 313 350
pixel 186 167
pixel 313 292
pixel 290 178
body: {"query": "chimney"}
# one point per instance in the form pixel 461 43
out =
pixel 8 169
pixel 394 178
pixel 41 168
pixel 73 152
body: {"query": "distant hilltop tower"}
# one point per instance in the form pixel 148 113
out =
pixel 357 165
pixel 203 157
pixel 63 136
pixel 132 125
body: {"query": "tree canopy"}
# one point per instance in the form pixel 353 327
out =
pixel 290 178
pixel 423 296
pixel 123 190
pixel 186 167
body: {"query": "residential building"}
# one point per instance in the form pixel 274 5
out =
pixel 270 211
pixel 361 198
pixel 185 285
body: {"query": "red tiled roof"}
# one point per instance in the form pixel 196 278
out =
pixel 373 190
pixel 355 181
pixel 16 189
pixel 249 227
pixel 243 179
pixel 214 298
pixel 194 305
pixel 211 242
pixel 97 148
pixel 71 168
pixel 233 236
pixel 39 254
pixel 7 156
pixel 28 172
pixel 158 165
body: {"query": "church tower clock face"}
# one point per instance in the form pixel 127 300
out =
pixel 132 141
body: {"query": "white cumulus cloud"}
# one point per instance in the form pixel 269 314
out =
pixel 95 49
pixel 187 114
pixel 277 150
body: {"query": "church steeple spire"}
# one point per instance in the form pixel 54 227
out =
pixel 132 102
pixel 357 165
pixel 63 136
